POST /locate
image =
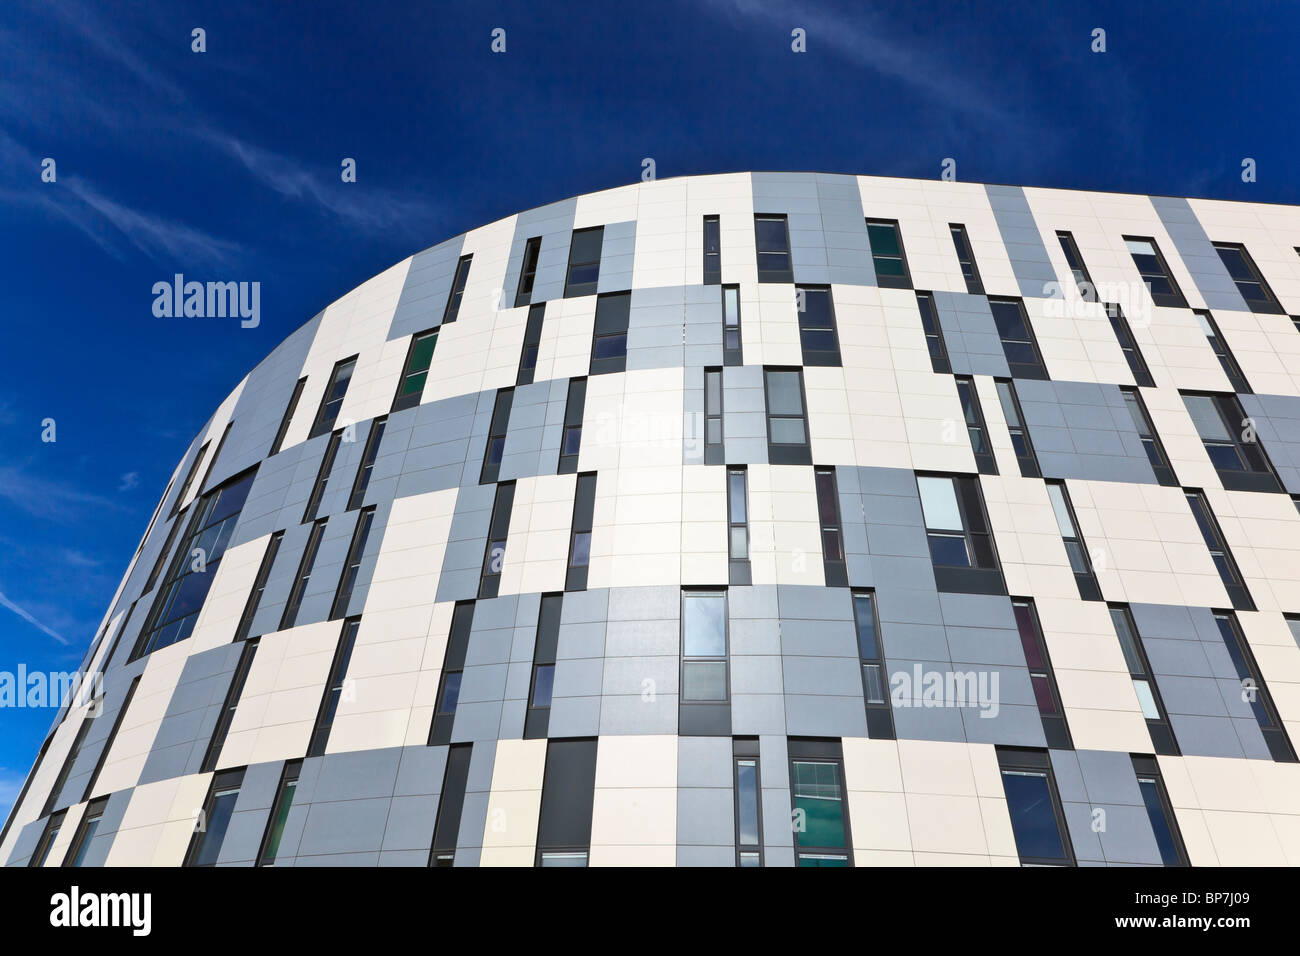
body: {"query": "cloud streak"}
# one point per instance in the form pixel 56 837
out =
pixel 5 602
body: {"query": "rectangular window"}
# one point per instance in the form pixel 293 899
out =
pixel 359 484
pixel 975 427
pixel 214 820
pixel 532 344
pixel 748 788
pixel 1253 688
pixel 1018 342
pixel 1160 811
pixel 1220 346
pixel 966 259
pixel 933 333
pixel 1041 676
pixel 961 544
pixel 787 428
pixel 1144 682
pixel 772 243
pixel 166 551
pixel 284 795
pixel 1087 291
pixel 1037 819
pixel 322 476
pixel 712 251
pixel 415 371
pixel 1128 345
pixel 290 616
pixel 117 638
pixel 215 456
pixel 85 835
pixel 288 417
pixel 329 704
pixel 1020 441
pixel 738 526
pixel 451 803
pixel 542 685
pixel 229 705
pixel 180 599
pixel 817 334
pixel 819 816
pixel 1075 549
pixel 356 551
pixel 1224 562
pixel 332 401
pixel 189 477
pixel 875 679
pixel 704 646
pixel 714 452
pixel 568 792
pixel 495 448
pixel 609 334
pixel 584 509
pixel 1249 280
pixel 494 556
pixel 575 407
pixel 1153 269
pixel 56 791
pixel 732 353
pixel 828 518
pixel 457 289
pixel 584 262
pixel 528 272
pixel 453 664
pixel 887 254
pixel 41 855
pixel 1231 442
pixel 1151 443
pixel 112 736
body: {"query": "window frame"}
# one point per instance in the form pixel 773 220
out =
pixel 459 280
pixel 961 242
pixel 574 289
pixel 786 453
pixel 985 461
pixel 323 424
pixel 527 276
pixel 1018 761
pixel 785 274
pixel 403 399
pixel 889 281
pixel 817 357
pixel 1268 304
pixel 1172 299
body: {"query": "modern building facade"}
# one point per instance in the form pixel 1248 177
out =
pixel 753 519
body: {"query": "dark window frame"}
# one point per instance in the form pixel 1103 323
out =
pixel 1171 299
pixel 528 272
pixel 786 453
pixel 460 278
pixel 1033 762
pixel 324 421
pixel 940 362
pixel 973 416
pixel 712 236
pixel 773 273
pixel 574 289
pixel 289 411
pixel 969 270
pixel 402 398
pixel 1267 303
pixel 369 455
pixel 889 281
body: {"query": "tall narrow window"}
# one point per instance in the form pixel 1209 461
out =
pixel 112 736
pixel 1249 280
pixel 214 820
pixel 154 518
pixel 1220 346
pixel 732 353
pixel 975 428
pixel 875 680
pixel 85 834
pixel 1253 689
pixel 961 545
pixel 1160 811
pixel 166 551
pixel 290 616
pixel 322 477
pixel 820 818
pixel 714 452
pixel 1020 441
pixel 329 704
pixel 528 272
pixel 1037 819
pixel 285 422
pixel 53 826
pixel 1087 291
pixel 495 448
pixel 117 639
pixel 787 428
pixel 215 455
pixel 494 556
pixel 1144 682
pixel 52 800
pixel 575 407
pixel 189 476
pixel 1151 444
pixel 772 242
pixel 609 334
pixel 359 484
pixel 1231 442
pixel 532 344
pixel 284 795
pixel 712 251
pixel 415 371
pixel 738 526
pixel 1018 342
pixel 1128 345
pixel 749 801
pixel 356 551
pixel 1224 562
pixel 1075 549
pixel 229 706
pixel 457 290
pixel 584 509
pixel 933 333
pixel 966 259
pixel 451 803
pixel 887 254
pixel 817 335
pixel 1153 269
pixel 704 684
pixel 332 401
pixel 828 517
pixel 453 664
pixel 568 793
pixel 584 262
pixel 1046 694
pixel 542 684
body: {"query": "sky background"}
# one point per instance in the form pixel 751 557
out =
pixel 225 166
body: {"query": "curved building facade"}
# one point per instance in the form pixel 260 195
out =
pixel 753 519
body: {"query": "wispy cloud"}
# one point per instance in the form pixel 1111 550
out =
pixel 47 497
pixel 5 602
pixel 130 480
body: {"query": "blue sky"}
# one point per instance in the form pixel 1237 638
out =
pixel 225 165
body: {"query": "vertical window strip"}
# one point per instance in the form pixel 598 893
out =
pixel 334 687
pixel 301 579
pixel 368 457
pixel 229 705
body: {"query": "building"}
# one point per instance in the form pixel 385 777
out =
pixel 747 519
